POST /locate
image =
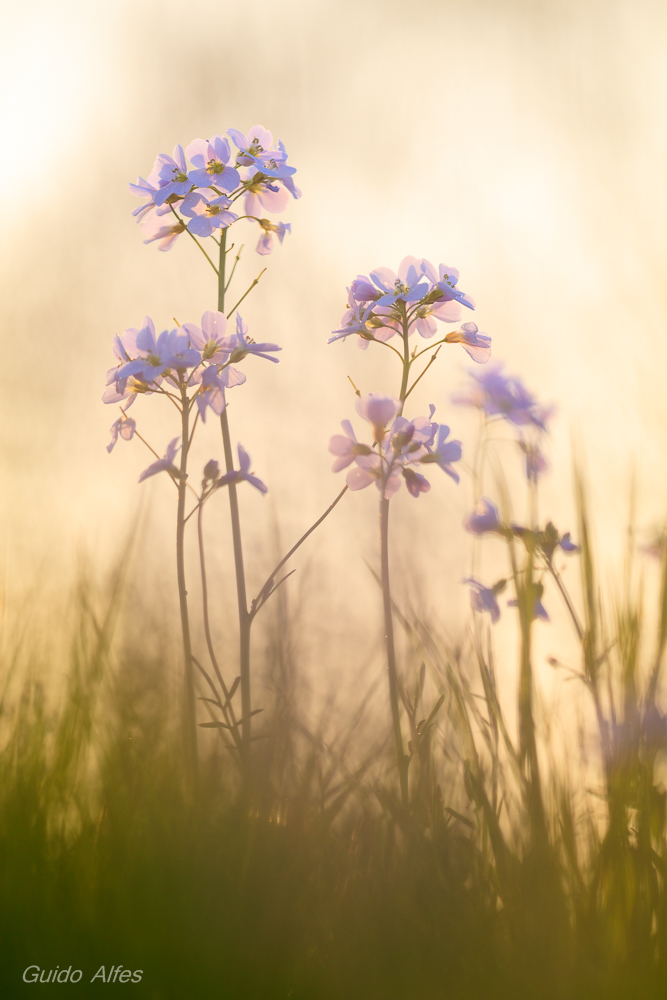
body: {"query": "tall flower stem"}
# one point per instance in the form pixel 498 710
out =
pixel 402 760
pixel 190 719
pixel 245 620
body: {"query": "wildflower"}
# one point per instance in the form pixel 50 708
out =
pixel 165 234
pixel 263 196
pixel 173 176
pixel 165 464
pixel 483 518
pixel 125 427
pixel 210 157
pixel 536 463
pixel 242 346
pixel 567 545
pixel 211 473
pixel 347 449
pixel 378 410
pixel 415 482
pixel 444 453
pixel 498 394
pixel 211 340
pixel 357 319
pixel 243 474
pixel 406 286
pixel 539 611
pixel 147 189
pixel 206 214
pixel 265 244
pixel 251 146
pixel 444 281
pixel 484 598
pixel 153 352
pixel 476 344
pixel 386 478
pixel 424 319
pixel 211 393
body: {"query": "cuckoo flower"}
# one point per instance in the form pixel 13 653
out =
pixel 250 146
pixel 165 464
pixel 211 340
pixel 265 244
pixel 407 286
pixel 378 410
pixel 483 598
pixel 375 470
pixel 539 611
pixel 444 281
pixel 444 452
pixel 210 158
pixel 483 518
pixel 241 346
pixel 211 393
pixel 262 195
pixel 125 427
pixel 163 233
pixel 498 394
pixel 243 474
pixel 206 214
pixel 147 189
pixel 359 320
pixel 347 449
pixel 173 175
pixel 474 343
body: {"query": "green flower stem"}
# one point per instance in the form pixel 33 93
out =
pixel 190 720
pixel 244 618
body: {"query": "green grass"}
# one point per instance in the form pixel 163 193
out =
pixel 503 879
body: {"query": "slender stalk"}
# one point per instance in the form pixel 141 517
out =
pixel 241 594
pixel 227 708
pixel 190 720
pixel 268 587
pixel 391 652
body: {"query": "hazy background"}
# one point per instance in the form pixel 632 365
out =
pixel 523 142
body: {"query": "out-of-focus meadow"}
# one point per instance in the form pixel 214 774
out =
pixel 525 144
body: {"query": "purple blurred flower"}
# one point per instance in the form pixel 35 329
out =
pixel 539 611
pixel 444 453
pixel 536 463
pixel 498 394
pixel 210 157
pixel 165 234
pixel 165 464
pixel 378 410
pixel 125 427
pixel 415 482
pixel 375 471
pixel 483 518
pixel 243 474
pixel 211 472
pixel 567 545
pixel 211 393
pixel 483 598
pixel 476 344
pixel 265 244
pixel 211 339
pixel 347 449
pixel 241 346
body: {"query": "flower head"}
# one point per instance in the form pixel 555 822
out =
pixel 243 474
pixel 125 427
pixel 378 410
pixel 484 598
pixel 474 343
pixel 241 345
pixel 165 464
pixel 483 518
pixel 210 158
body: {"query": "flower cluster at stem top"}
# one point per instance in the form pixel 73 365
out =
pixel 199 196
pixel 192 365
pixel 385 304
pixel 399 446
